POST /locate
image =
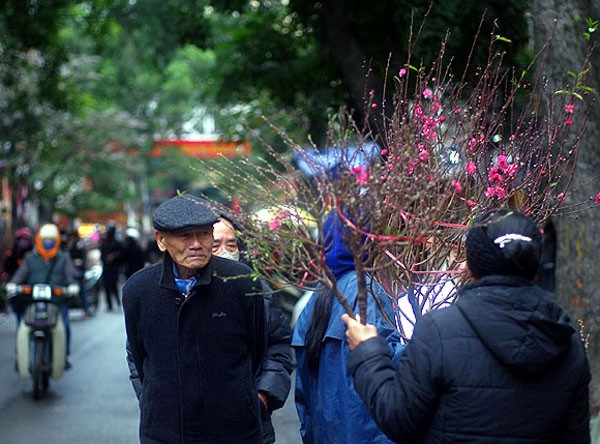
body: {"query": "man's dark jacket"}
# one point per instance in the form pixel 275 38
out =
pixel 503 365
pixel 197 356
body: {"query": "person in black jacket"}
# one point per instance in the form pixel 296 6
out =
pixel 111 249
pixel 13 258
pixel 502 365
pixel 133 257
pixel 196 334
pixel 274 377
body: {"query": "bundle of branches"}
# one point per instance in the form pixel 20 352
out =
pixel 407 190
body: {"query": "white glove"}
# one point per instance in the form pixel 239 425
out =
pixel 72 290
pixel 11 288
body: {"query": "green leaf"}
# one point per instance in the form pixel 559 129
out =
pixel 587 88
pixel 503 39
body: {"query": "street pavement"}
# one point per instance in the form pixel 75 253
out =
pixel 92 403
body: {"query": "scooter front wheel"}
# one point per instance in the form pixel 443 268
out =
pixel 40 383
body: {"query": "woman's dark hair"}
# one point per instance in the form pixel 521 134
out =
pixel 317 328
pixel 504 242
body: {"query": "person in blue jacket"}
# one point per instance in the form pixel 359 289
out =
pixel 503 364
pixel 329 409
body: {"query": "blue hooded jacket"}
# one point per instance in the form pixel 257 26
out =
pixel 328 406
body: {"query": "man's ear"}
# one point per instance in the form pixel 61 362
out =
pixel 159 237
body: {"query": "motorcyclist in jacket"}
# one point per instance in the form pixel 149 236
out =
pixel 47 264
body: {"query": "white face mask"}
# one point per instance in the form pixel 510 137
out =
pixel 227 255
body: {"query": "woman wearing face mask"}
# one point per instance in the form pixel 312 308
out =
pixel 47 264
pixel 14 257
pixel 274 376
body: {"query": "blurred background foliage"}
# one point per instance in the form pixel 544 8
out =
pixel 81 78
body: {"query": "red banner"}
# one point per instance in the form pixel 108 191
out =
pixel 204 149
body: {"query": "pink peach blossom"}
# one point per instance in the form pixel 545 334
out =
pixel 502 163
pixel 495 191
pixel 361 173
pixel 274 224
pixel 457 186
pixel 512 170
pixel 495 176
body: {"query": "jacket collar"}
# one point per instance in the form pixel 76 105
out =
pixel 496 279
pixel 167 277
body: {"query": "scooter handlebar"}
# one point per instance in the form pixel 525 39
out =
pixel 14 290
pixel 11 289
pixel 73 290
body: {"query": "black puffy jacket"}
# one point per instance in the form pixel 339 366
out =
pixel 503 365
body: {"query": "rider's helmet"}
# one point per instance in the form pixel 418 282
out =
pixel 132 233
pixel 47 241
pixel 23 240
pixel 24 233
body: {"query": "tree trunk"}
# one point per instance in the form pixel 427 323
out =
pixel 577 267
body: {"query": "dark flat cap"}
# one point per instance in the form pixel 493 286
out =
pixel 182 212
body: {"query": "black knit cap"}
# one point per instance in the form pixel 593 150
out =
pixel 504 242
pixel 183 212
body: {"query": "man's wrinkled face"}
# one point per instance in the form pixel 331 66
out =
pixel 190 249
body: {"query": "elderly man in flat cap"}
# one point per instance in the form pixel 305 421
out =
pixel 196 335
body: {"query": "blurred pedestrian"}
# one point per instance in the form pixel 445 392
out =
pixel 77 249
pixel 152 252
pixel 196 334
pixel 503 364
pixel 22 244
pixel 133 257
pixel 274 378
pixel 111 250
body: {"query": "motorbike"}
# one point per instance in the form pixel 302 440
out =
pixel 90 283
pixel 41 335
